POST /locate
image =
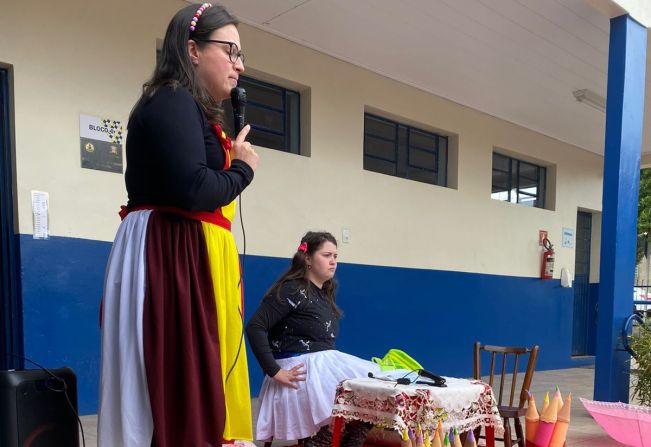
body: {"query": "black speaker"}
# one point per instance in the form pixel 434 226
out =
pixel 34 411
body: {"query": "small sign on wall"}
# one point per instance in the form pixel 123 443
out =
pixel 568 237
pixel 101 143
pixel 40 214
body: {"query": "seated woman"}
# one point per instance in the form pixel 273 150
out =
pixel 292 335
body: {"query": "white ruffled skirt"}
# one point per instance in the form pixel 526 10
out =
pixel 289 413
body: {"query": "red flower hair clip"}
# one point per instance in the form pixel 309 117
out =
pixel 302 247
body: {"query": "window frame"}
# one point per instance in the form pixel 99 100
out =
pixel 291 143
pixel 403 163
pixel 514 182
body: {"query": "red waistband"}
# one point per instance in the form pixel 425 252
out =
pixel 215 217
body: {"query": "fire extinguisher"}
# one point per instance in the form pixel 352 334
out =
pixel 547 270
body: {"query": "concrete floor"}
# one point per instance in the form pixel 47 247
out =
pixel 584 432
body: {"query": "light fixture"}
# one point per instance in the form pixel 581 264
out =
pixel 590 98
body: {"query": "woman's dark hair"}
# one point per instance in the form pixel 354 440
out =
pixel 173 65
pixel 298 270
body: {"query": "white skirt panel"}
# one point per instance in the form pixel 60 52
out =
pixel 288 413
pixel 124 418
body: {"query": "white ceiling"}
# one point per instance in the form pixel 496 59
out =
pixel 518 60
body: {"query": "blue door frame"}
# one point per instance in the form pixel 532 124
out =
pixel 11 317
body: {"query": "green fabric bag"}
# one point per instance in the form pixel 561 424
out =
pixel 397 359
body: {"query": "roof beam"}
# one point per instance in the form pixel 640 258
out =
pixel 640 10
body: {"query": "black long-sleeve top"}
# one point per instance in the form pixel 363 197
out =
pixel 174 158
pixel 297 320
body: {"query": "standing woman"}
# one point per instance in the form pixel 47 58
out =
pixel 174 369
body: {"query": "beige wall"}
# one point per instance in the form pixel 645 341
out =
pixel 72 57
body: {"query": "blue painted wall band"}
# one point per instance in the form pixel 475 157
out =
pixel 435 316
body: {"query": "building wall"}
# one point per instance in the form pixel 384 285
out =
pixel 428 269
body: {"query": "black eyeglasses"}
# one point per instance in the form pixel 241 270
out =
pixel 234 52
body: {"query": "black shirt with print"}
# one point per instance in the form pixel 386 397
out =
pixel 297 320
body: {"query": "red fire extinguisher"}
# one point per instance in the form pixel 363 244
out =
pixel 547 270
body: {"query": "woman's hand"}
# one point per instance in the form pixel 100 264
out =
pixel 291 376
pixel 242 149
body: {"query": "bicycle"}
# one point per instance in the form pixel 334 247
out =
pixel 632 327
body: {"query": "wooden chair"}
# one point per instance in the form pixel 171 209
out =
pixel 508 411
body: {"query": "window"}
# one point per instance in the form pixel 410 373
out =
pixel 274 114
pixel 518 181
pixel 404 151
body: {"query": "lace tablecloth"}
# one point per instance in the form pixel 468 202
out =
pixel 463 404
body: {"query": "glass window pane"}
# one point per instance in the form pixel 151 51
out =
pixel 265 118
pixel 500 186
pixel 262 94
pixel 527 200
pixel 381 166
pixel 378 127
pixel 380 148
pixel 528 170
pixel 422 159
pixel 526 183
pixel 542 191
pixel 422 140
pixel 228 118
pixel 501 162
pixel 402 170
pixel 442 168
pixel 500 195
pixel 266 139
pixel 293 121
pixel 500 181
pixel 422 176
pixel 529 191
pixel 513 198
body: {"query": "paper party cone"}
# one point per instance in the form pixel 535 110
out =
pixel 562 424
pixel 436 438
pixel 405 442
pixel 532 418
pixel 470 440
pixel 457 438
pixel 546 425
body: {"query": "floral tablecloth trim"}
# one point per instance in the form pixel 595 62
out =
pixel 407 407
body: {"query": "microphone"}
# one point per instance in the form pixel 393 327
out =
pixel 238 101
pixel 438 380
pixel 399 381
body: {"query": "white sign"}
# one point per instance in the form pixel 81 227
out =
pixel 568 237
pixel 40 207
pixel 100 129
pixel 100 143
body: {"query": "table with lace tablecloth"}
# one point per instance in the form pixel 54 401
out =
pixel 462 404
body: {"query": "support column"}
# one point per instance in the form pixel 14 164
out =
pixel 624 118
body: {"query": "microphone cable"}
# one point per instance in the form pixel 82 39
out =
pixel 238 97
pixel 239 285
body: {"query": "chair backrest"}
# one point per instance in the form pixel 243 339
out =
pixel 509 358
